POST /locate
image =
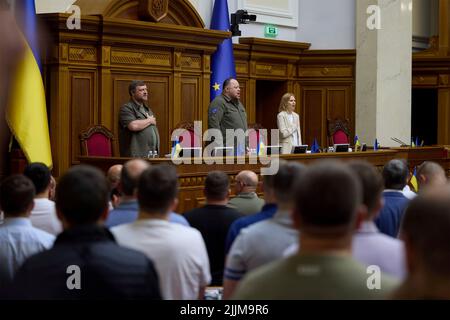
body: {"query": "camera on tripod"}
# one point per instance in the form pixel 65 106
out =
pixel 240 17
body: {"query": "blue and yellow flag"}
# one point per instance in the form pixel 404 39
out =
pixel 26 113
pixel 413 180
pixel 176 149
pixel 222 61
pixel 357 144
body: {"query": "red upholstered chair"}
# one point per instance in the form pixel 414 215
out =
pixel 187 138
pixel 338 131
pixel 97 141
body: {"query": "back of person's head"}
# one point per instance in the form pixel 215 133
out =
pixel 16 195
pixel 285 181
pixel 158 189
pixel 430 173
pixel 247 179
pixel 425 229
pixel 39 174
pixel 113 175
pixel 217 186
pixel 82 195
pixel 372 185
pixel 327 199
pixel 130 174
pixel 395 174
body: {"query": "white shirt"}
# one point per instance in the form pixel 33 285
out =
pixel 178 252
pixel 294 136
pixel 44 216
pixel 18 241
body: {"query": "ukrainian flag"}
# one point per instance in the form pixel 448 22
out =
pixel 357 144
pixel 176 149
pixel 26 113
pixel 413 180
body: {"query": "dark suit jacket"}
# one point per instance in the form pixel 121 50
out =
pixel 107 271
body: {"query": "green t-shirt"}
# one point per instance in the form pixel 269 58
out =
pixel 303 277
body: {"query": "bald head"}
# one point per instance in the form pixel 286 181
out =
pixel 431 174
pixel 113 175
pixel 131 173
pixel 246 181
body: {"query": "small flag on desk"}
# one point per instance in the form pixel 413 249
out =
pixel 413 144
pixel 375 145
pixel 413 182
pixel 417 142
pixel 176 149
pixel 357 144
pixel 315 147
pixel 261 148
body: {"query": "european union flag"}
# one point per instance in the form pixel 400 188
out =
pixel 222 61
pixel 315 148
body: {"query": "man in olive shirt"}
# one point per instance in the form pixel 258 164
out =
pixel 138 133
pixel 328 202
pixel 227 112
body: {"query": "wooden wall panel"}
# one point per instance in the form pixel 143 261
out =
pixel 313 106
pixel 338 103
pixel 190 94
pixel 83 108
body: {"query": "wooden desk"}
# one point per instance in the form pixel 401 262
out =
pixel 192 176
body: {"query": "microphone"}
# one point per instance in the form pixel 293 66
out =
pixel 402 144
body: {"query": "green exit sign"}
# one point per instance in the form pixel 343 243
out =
pixel 270 31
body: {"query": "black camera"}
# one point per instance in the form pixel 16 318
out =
pixel 240 17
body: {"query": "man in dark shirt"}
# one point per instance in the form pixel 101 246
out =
pixel 395 175
pixel 213 221
pixel 85 261
pixel 137 125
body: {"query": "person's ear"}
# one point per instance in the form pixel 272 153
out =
pixel 361 215
pixel 378 206
pixel 174 205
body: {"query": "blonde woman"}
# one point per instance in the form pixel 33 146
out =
pixel 289 124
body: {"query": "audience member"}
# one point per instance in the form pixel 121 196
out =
pixel 267 212
pixel 179 252
pixel 327 202
pixel 127 210
pixel 85 262
pixel 43 215
pixel 265 241
pixel 395 175
pixel 425 231
pixel 246 200
pixel 113 178
pixel 213 221
pixel 18 238
pixel 430 174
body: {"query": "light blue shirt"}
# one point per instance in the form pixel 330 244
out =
pixel 18 241
pixel 128 211
pixel 371 247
